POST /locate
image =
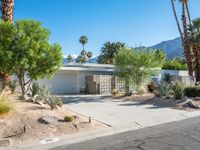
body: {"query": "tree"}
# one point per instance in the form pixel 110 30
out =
pixel 69 59
pixel 184 34
pixel 84 56
pixel 194 37
pixel 160 56
pixel 25 51
pixel 83 40
pixel 6 7
pixel 89 55
pixel 135 66
pixel 108 52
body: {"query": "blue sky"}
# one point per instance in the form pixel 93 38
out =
pixel 135 22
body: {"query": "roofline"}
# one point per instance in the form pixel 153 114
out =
pixel 88 65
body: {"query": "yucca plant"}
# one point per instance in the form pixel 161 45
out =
pixel 35 88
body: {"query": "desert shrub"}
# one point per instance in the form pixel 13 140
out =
pixel 178 90
pixel 192 91
pixel 140 91
pixel 167 78
pixel 43 93
pixel 114 92
pixel 35 88
pixel 151 87
pixel 13 85
pixel 54 101
pixel 164 89
pixel 5 106
pixel 69 118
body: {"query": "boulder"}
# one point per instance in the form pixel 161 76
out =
pixel 48 120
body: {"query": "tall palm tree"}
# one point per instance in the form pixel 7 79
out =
pixel 108 52
pixel 7 10
pixel 194 37
pixel 184 34
pixel 83 40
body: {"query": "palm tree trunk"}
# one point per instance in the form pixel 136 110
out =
pixel 7 10
pixel 177 22
pixel 187 42
pixel 188 14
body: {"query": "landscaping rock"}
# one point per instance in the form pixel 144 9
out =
pixel 48 120
pixel 4 143
pixel 192 104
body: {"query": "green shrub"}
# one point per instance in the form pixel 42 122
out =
pixel 164 89
pixel 175 64
pixel 13 85
pixel 54 101
pixel 69 118
pixel 114 92
pixel 192 91
pixel 35 88
pixel 5 106
pixel 178 90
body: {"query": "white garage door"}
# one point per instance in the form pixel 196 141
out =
pixel 62 83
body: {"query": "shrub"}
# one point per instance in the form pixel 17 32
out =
pixel 5 106
pixel 2 84
pixel 192 91
pixel 69 118
pixel 151 87
pixel 13 85
pixel 178 90
pixel 164 89
pixel 175 64
pixel 54 101
pixel 44 93
pixel 115 92
pixel 35 88
pixel 167 78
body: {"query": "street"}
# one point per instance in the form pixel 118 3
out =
pixel 181 135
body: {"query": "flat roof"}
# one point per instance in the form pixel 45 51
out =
pixel 88 67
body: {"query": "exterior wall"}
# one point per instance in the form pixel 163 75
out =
pixel 84 74
pixel 180 75
pixel 63 82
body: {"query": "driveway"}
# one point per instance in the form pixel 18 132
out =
pixel 120 114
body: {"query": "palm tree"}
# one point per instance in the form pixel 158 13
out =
pixel 194 37
pixel 89 55
pixel 69 59
pixel 108 52
pixel 7 10
pixel 184 34
pixel 83 40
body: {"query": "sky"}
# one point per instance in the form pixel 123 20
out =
pixel 134 22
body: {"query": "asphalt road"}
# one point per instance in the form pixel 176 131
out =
pixel 181 135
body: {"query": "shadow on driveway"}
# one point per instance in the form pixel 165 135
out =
pixel 86 99
pixel 153 103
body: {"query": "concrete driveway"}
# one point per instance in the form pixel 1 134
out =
pixel 120 114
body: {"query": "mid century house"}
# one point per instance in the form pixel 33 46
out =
pixel 75 78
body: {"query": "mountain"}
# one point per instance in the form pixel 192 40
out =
pixel 173 48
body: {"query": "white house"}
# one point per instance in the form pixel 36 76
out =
pixel 71 78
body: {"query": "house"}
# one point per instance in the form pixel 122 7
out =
pixel 180 75
pixel 74 78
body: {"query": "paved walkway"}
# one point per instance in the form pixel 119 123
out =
pixel 120 114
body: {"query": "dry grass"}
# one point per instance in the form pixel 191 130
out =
pixel 5 105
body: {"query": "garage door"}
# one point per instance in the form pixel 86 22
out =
pixel 62 83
